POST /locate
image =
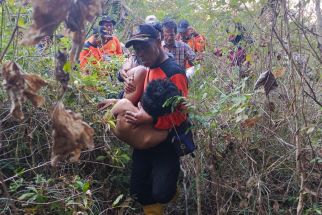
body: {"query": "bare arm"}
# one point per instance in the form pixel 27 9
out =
pixel 139 137
pixel 136 77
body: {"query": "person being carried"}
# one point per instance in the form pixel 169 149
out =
pixel 157 93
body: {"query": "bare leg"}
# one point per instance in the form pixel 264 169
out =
pixel 140 137
pixel 138 75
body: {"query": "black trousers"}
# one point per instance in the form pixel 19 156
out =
pixel 155 174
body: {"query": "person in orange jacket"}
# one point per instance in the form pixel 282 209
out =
pixel 187 34
pixel 93 48
pixel 190 36
pixel 113 45
pixel 102 44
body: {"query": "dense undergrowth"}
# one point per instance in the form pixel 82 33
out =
pixel 257 154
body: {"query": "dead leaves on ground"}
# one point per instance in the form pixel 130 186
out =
pixel 20 87
pixel 70 133
pixel 267 80
pixel 47 18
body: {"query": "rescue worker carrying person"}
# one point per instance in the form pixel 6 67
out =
pixel 155 168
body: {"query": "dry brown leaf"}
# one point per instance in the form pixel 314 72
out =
pixel 21 86
pixel 46 19
pixel 61 75
pixel 80 12
pixel 14 84
pixel 251 122
pixel 279 72
pixel 33 83
pixel 267 80
pixel 70 133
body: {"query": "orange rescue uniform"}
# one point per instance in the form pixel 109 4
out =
pixel 197 43
pixel 112 47
pixel 169 69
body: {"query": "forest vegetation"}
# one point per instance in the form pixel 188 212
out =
pixel 258 127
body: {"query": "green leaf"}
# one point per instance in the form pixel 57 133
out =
pixel 86 186
pixel 33 189
pixel 79 185
pixel 21 22
pixel 26 196
pixel 318 211
pixel 117 200
pixel 101 158
pixel 310 130
pixel 67 67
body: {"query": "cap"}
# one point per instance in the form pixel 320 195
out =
pixel 182 26
pixel 151 19
pixel 106 19
pixel 158 26
pixel 143 33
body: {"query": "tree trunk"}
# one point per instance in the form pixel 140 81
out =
pixel 318 23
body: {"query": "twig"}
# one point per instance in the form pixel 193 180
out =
pixel 313 98
pixel 198 185
pixel 11 38
pixel 28 170
pixel 185 188
pixel 298 72
pixel 2 25
pixel 299 169
pixel 6 194
pixel 9 43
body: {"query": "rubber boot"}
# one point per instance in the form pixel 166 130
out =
pixel 154 209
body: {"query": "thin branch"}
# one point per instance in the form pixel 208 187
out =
pixel 28 170
pixel 298 72
pixel 7 195
pixel 9 43
pixel 12 36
